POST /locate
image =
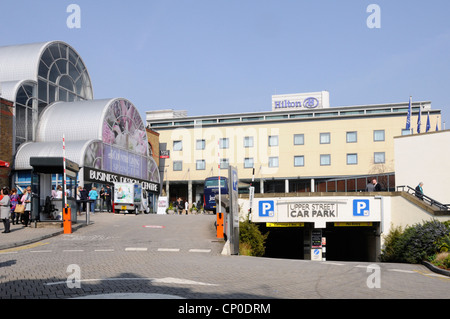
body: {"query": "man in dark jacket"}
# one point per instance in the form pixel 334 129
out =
pixel 84 197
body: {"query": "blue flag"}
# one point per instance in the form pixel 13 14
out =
pixel 428 123
pixel 419 119
pixel 408 117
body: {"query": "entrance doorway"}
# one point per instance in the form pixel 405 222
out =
pixel 351 243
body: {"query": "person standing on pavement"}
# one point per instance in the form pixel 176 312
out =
pixel 93 196
pixel 102 198
pixel 108 198
pixel 5 209
pixel 83 197
pixel 26 200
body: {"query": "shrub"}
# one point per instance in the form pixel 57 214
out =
pixel 415 243
pixel 251 240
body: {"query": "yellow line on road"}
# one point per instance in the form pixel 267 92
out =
pixel 15 249
pixel 433 275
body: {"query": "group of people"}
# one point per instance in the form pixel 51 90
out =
pixel 182 206
pixel 14 208
pixel 105 196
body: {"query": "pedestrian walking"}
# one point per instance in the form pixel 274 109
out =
pixel 14 201
pixel 419 191
pixel 5 209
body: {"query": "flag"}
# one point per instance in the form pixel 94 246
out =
pixel 428 123
pixel 419 119
pixel 408 117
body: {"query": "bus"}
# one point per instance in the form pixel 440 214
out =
pixel 211 189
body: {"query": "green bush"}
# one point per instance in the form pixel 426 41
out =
pixel 415 243
pixel 251 240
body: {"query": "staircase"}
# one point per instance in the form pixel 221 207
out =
pixel 423 199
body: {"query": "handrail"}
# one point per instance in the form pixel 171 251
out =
pixel 424 197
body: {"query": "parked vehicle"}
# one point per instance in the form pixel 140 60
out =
pixel 130 198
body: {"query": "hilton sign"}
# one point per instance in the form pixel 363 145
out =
pixel 301 101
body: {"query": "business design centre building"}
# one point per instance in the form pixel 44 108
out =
pixel 52 95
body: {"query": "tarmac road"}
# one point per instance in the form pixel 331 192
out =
pixel 179 256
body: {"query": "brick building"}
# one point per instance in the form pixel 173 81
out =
pixel 6 140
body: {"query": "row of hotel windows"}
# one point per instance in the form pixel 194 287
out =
pixel 299 161
pixel 299 139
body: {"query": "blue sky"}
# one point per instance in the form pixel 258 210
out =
pixel 216 56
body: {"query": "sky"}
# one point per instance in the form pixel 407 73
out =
pixel 213 57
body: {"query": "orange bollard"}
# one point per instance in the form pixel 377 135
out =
pixel 219 225
pixel 67 216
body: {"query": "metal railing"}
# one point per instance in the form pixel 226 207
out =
pixel 423 197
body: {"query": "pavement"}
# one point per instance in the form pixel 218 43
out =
pixel 20 235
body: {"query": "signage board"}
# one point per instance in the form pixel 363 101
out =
pixel 285 225
pixel 318 210
pixel 301 101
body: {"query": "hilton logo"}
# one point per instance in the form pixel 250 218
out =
pixel 309 103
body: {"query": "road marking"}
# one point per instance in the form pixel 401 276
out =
pixel 135 249
pixel 100 250
pixel 199 250
pixel 154 226
pixel 16 249
pixel 169 249
pixel 400 270
pixel 336 264
pixel 73 250
pixel 40 251
pixel 167 280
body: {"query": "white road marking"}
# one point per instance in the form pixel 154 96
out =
pixel 135 249
pixel 167 280
pixel 100 250
pixel 199 250
pixel 401 270
pixel 169 249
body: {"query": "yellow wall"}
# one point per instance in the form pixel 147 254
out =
pixel 365 147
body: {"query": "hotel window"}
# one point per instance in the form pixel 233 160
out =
pixel 224 163
pixel 248 162
pixel 200 145
pixel 299 139
pixel 273 140
pixel 299 161
pixel 177 165
pixel 248 141
pixel 352 137
pixel 378 135
pixel 224 143
pixel 200 165
pixel 325 159
pixel 325 138
pixel 273 161
pixel 352 159
pixel 177 145
pixel 379 157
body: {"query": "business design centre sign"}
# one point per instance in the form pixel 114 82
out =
pixel 316 210
pixel 301 101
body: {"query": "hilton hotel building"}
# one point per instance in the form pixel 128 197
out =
pixel 301 145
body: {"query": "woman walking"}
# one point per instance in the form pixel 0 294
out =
pixel 5 209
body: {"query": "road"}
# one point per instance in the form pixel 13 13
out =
pixel 173 256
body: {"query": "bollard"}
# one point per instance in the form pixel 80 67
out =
pixel 219 225
pixel 67 216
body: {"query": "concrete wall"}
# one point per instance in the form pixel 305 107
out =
pixel 424 158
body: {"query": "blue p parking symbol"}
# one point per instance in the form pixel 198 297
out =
pixel 267 208
pixel 361 207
